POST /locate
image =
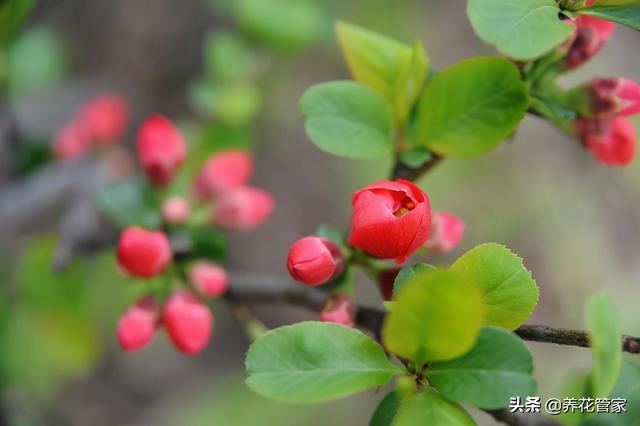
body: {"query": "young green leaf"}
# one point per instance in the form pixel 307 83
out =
pixel 387 409
pixel 393 69
pixel 348 119
pixel 437 316
pixel 406 274
pixel 497 367
pixel 510 294
pixel 523 29
pixel 429 408
pixel 628 15
pixel 314 361
pixel 470 107
pixel 129 203
pixel 12 15
pixel 604 339
pixel 628 388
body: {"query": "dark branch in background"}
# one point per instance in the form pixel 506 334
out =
pixel 560 336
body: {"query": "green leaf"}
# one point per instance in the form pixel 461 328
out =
pixel 314 361
pixel 415 157
pixel 227 56
pixel 497 367
pixel 348 119
pixel 429 408
pixel 523 29
pixel 627 387
pixel 393 69
pixel 386 410
pixel 470 107
pixel 282 25
pixel 202 243
pixel 605 341
pixel 130 203
pixel 437 316
pixel 406 274
pixel 12 15
pixel 625 15
pixel 510 294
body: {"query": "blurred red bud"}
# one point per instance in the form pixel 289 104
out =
pixel 314 261
pixel 223 171
pixel 106 117
pixel 613 96
pixel 137 325
pixel 612 142
pixel 339 308
pixel 143 253
pixel 592 34
pixel 243 208
pixel 209 278
pixel 161 149
pixel 448 230
pixel 73 141
pixel 175 211
pixel 188 322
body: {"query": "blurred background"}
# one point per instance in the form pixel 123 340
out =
pixel 575 223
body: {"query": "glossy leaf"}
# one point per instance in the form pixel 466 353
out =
pixel 129 203
pixel 470 107
pixel 605 341
pixel 510 294
pixel 387 409
pixel 429 408
pixel 348 119
pixel 497 367
pixel 628 15
pixel 314 361
pixel 395 70
pixel 523 29
pixel 436 316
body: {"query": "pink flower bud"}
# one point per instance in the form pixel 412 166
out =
pixel 314 261
pixel 143 253
pixel 390 220
pixel 137 325
pixel 210 279
pixel 386 279
pixel 243 208
pixel 592 35
pixel 447 233
pixel 613 96
pixel 175 211
pixel 612 142
pixel 340 309
pixel 72 141
pixel 106 118
pixel 223 171
pixel 161 149
pixel 188 322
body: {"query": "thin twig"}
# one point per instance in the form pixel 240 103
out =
pixel 400 171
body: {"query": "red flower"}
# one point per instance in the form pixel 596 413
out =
pixel 161 149
pixel 592 35
pixel 188 321
pixel 210 279
pixel 137 325
pixel 340 309
pixel 613 96
pixel 243 208
pixel 612 142
pixel 314 261
pixel 143 253
pixel 106 118
pixel 175 211
pixel 390 220
pixel 448 230
pixel 72 141
pixel 224 171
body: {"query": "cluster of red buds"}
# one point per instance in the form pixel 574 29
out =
pixel 390 220
pixel 100 122
pixel 221 186
pixel 602 104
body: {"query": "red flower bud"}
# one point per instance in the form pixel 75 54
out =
pixel 161 149
pixel 175 211
pixel 106 118
pixel 612 142
pixel 137 325
pixel 390 220
pixel 188 322
pixel 614 96
pixel 209 278
pixel 386 279
pixel 243 208
pixel 340 309
pixel 224 171
pixel 72 141
pixel 447 233
pixel 143 253
pixel 592 35
pixel 314 261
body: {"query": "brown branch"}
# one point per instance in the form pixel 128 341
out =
pixel 401 171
